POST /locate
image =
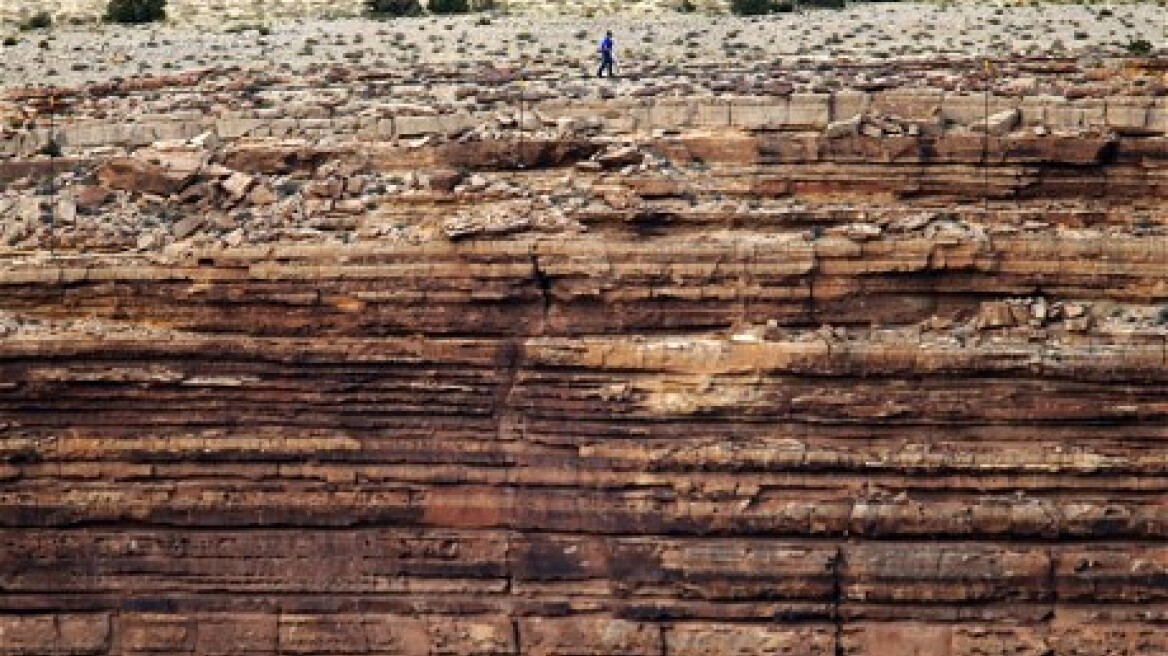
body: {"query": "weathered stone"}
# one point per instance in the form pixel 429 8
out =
pixel 844 128
pixel 771 381
pixel 588 636
pixel 90 198
pixel 237 185
pixel 262 195
pixel 445 179
pixel 131 174
pixel 615 158
pixel 1001 123
pixel 187 226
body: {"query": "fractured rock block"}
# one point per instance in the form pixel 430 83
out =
pixel 230 635
pixel 588 636
pixel 705 639
pixel 999 124
pixel 54 635
pixel 130 174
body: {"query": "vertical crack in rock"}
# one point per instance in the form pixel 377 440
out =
pixel 507 364
pixel 812 273
pixel 509 428
pixel 1052 585
pixel 837 593
pixel 542 282
pixel 516 637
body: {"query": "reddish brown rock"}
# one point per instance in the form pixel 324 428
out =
pixel 90 198
pixel 445 179
pixel 896 388
pixel 589 636
pixel 129 174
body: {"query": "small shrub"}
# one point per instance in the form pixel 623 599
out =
pixel 687 7
pixel 1139 47
pixel 262 30
pixel 135 12
pixel 41 20
pixel 823 4
pixel 751 7
pixel 393 8
pixel 447 7
pixel 51 149
pixel 10 41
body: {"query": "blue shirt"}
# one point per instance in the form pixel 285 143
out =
pixel 606 45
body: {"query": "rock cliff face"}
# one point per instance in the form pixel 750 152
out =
pixel 865 384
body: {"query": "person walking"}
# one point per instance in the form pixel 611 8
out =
pixel 605 55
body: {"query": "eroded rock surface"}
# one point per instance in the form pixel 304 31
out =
pixel 852 373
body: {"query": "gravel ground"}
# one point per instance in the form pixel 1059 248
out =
pixel 75 54
pixel 214 12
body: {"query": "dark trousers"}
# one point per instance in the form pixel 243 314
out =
pixel 605 63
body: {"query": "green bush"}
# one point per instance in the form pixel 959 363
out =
pixel 763 7
pixel 751 7
pixel 1139 47
pixel 10 41
pixel 393 8
pixel 263 30
pixel 39 21
pixel 51 149
pixel 135 12
pixel 449 6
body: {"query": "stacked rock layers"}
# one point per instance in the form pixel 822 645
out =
pixel 779 390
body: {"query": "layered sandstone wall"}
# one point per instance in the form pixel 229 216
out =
pixel 591 388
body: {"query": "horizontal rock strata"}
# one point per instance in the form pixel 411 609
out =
pixel 589 389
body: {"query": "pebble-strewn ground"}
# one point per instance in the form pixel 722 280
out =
pixel 73 54
pixel 216 11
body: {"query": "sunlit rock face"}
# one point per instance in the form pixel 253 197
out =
pixel 453 360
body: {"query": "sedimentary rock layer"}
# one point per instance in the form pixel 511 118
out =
pixel 250 483
pixel 618 390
